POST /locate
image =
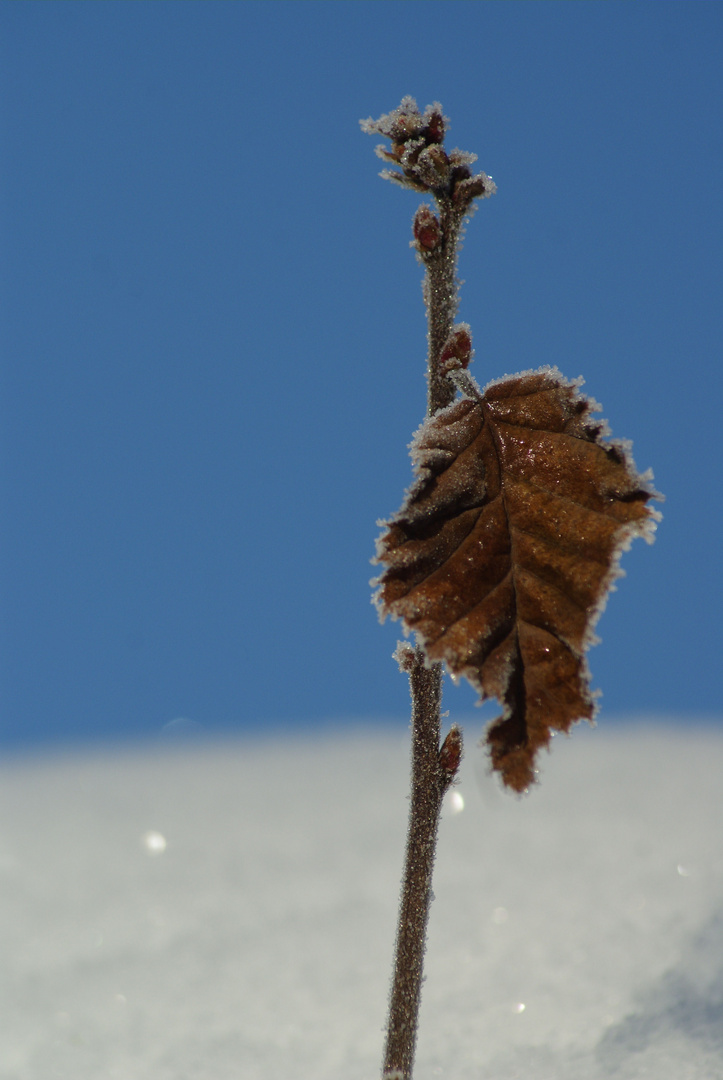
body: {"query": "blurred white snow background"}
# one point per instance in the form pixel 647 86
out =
pixel 226 910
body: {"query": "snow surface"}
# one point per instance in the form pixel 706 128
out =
pixel 227 910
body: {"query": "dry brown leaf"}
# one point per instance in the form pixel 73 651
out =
pixel 505 548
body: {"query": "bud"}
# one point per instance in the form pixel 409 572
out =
pixel 433 166
pixel 457 349
pixel 480 186
pixel 404 655
pixel 450 753
pixel 435 127
pixel 406 122
pixel 395 154
pixel 427 231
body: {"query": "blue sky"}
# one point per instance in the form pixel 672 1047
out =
pixel 214 340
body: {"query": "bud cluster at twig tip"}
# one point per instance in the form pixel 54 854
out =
pixel 416 147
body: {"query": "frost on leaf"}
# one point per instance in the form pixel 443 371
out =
pixel 505 548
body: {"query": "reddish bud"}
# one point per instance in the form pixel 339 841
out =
pixel 427 230
pixel 457 350
pixel 474 187
pixel 450 753
pixel 435 127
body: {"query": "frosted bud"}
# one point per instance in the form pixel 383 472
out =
pixel 474 187
pixel 404 655
pixel 435 126
pixel 427 231
pixel 406 122
pixel 400 124
pixel 457 349
pixel 450 753
pixel 395 154
pixel 462 157
pixel 433 166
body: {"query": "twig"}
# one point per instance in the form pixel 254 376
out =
pixel 416 147
pixel 432 772
pixel 429 779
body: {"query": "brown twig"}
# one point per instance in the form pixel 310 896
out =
pixel 424 165
pixel 426 800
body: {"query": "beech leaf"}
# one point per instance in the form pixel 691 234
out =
pixel 506 546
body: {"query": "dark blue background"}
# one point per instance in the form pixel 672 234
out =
pixel 214 339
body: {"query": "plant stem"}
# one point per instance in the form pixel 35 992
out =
pixel 426 800
pixel 429 778
pixel 416 148
pixel 441 298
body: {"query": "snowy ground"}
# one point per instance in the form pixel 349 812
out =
pixel 576 934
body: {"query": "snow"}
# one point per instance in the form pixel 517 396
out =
pixel 226 910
